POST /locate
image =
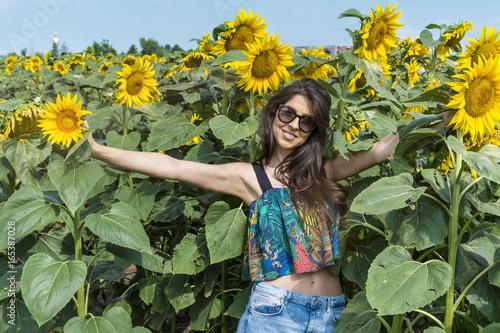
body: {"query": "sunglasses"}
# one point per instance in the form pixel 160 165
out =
pixel 286 114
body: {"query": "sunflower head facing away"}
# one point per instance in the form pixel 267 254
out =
pixel 137 82
pixel 486 46
pixel 22 121
pixel 245 29
pixel 378 35
pixel 478 99
pixel 453 35
pixel 266 65
pixel 193 60
pixel 62 121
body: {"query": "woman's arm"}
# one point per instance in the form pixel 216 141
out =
pixel 338 167
pixel 230 178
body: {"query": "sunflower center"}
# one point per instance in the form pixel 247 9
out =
pixel 480 97
pixel 135 83
pixel 242 35
pixel 67 121
pixel 265 64
pixel 377 34
pixel 361 82
pixel 486 50
pixel 193 61
pixel 454 40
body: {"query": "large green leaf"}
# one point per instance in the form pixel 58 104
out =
pixel 190 255
pixel 230 132
pixel 116 320
pixel 74 183
pixel 491 328
pixel 387 194
pixel 173 132
pixel 230 56
pixel 486 207
pixel 357 262
pixel 483 165
pixel 24 156
pixel 358 317
pixel 127 142
pixel 396 284
pixel 24 212
pixel 486 297
pixel 415 140
pixel 420 227
pixel 141 198
pixel 19 321
pixel 440 94
pixel 202 311
pixel 225 230
pixel 438 182
pixel 179 292
pixel 225 77
pixel 47 285
pixel 494 273
pixel 239 303
pixel 5 167
pixel 121 226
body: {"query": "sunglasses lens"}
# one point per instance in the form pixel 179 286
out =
pixel 286 115
pixel 307 124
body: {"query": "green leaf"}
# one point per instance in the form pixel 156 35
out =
pixel 140 329
pixel 379 120
pixel 494 273
pixel 152 262
pixel 202 152
pixel 455 145
pixel 420 227
pixel 415 140
pixel 202 311
pixel 173 133
pixel 426 38
pixel 231 132
pixel 351 13
pixel 104 270
pixel 486 297
pixel 399 165
pixel 24 156
pixel 486 207
pixel 19 321
pixel 397 284
pixel 434 329
pixel 116 320
pixel 5 167
pixel 24 212
pixel 230 56
pixel 127 142
pixel 491 152
pixel 56 244
pixel 358 316
pixel 147 288
pixel 190 255
pixel 121 226
pixel 141 198
pixel 438 182
pixel 179 292
pixel 224 77
pixel 357 262
pixel 491 328
pixel 483 165
pixel 47 285
pixel 239 303
pixel 387 194
pixel 225 230
pixel 440 94
pixel 74 183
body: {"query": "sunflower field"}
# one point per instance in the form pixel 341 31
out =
pixel 85 244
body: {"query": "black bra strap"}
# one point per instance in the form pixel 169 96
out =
pixel 264 182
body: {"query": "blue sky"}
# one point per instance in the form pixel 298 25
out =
pixel 78 23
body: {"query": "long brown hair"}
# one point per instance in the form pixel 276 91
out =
pixel 303 170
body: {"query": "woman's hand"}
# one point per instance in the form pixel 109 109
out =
pixel 445 122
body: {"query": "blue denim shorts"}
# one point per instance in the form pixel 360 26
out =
pixel 274 309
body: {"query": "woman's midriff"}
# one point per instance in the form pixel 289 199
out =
pixel 321 283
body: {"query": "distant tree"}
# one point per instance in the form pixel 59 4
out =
pixel 167 47
pixel 55 49
pixel 24 52
pixel 132 50
pixel 103 49
pixel 64 48
pixel 150 46
pixel 177 48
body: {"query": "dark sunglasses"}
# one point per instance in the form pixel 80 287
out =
pixel 287 114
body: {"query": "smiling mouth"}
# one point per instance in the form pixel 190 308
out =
pixel 289 135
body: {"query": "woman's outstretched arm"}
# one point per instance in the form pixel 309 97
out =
pixel 230 178
pixel 338 167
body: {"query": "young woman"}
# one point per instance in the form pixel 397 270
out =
pixel 295 208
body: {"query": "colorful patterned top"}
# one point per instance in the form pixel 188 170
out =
pixel 281 241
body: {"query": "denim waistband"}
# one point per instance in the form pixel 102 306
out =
pixel 312 302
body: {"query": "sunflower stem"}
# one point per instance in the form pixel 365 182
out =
pixel 224 297
pixel 125 120
pixel 397 323
pixel 452 240
pixel 342 103
pixel 80 295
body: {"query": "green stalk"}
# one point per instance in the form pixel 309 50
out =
pixel 80 294
pixel 452 242
pixel 397 323
pixel 225 300
pixel 225 101
pixel 343 93
pixel 125 120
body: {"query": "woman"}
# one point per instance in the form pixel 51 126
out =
pixel 295 208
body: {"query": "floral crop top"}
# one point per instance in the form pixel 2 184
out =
pixel 281 241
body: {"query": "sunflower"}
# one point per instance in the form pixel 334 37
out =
pixel 378 34
pixel 129 60
pixel 315 70
pixel 245 29
pixel 192 60
pixel 136 83
pixel 478 98
pixel 412 71
pixel 266 65
pixel 104 67
pixel 453 37
pixel 195 117
pixel 61 68
pixel 414 109
pixel 11 62
pixel 487 45
pixel 62 121
pixel 353 132
pixel 206 44
pixel 23 121
pixel 359 80
pixel 416 48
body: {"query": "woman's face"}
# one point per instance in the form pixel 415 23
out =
pixel 289 136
